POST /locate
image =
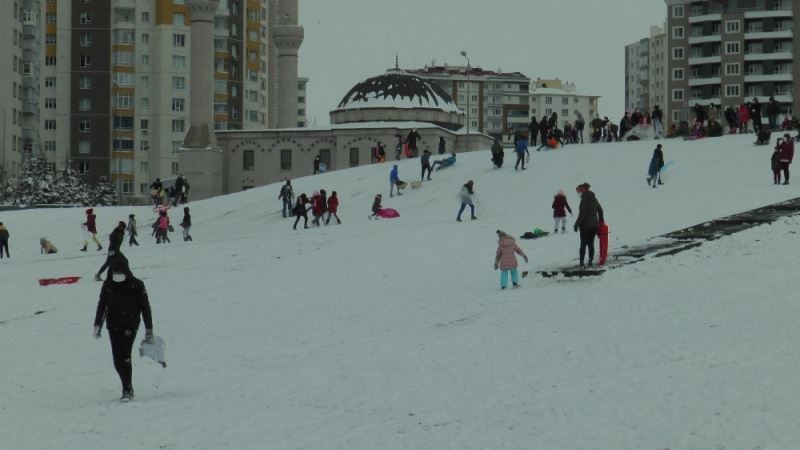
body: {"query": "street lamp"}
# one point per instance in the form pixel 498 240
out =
pixel 464 54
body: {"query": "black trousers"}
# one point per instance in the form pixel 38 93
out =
pixel 784 167
pixel 424 168
pixel 520 159
pixel 4 246
pixel 304 215
pixel 587 240
pixel 105 265
pixel 132 241
pixel 121 346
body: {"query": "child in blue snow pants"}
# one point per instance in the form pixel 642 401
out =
pixel 504 277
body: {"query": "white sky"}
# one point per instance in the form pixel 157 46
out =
pixel 582 41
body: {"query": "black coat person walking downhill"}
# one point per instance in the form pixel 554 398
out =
pixel 115 240
pixel 590 214
pixel 301 210
pixel 123 300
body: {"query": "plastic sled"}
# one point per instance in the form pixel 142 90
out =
pixel 62 280
pixel 388 213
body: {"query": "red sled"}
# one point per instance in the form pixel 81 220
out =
pixel 602 232
pixel 388 213
pixel 407 151
pixel 62 280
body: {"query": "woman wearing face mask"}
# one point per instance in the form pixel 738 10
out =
pixel 590 214
pixel 123 300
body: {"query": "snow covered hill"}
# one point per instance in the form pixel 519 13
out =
pixel 395 334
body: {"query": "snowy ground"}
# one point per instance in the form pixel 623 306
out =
pixel 395 334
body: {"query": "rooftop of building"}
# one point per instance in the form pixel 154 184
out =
pixel 397 89
pixel 446 70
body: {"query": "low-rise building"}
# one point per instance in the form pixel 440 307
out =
pixel 556 96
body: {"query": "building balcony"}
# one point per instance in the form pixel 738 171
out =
pixel 784 55
pixel 704 101
pixel 30 134
pixel 716 17
pixel 765 14
pixel 705 60
pixel 703 39
pixel 772 35
pixel 704 81
pixel 760 78
pixel 764 99
pixel 30 30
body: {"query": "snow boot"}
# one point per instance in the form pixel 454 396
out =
pixel 83 249
pixel 99 247
pixel 516 285
pixel 474 218
pixel 458 219
pixel 127 395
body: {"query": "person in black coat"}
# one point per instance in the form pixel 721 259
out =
pixel 301 210
pixel 700 113
pixel 178 190
pixel 773 111
pixel 442 146
pixel 543 132
pixel 553 122
pixel 411 139
pixel 115 240
pixel 155 189
pixel 316 165
pixel 755 113
pixel 533 130
pixel 123 301
pixel 186 224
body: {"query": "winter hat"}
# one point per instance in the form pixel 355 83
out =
pixel 89 211
pixel 561 192
pixel 501 233
pixel 119 264
pixel 316 193
pixel 186 208
pixel 378 196
pixel 121 224
pixel 130 215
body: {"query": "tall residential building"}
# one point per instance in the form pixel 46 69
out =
pixel 113 83
pixel 725 52
pixel 562 98
pixel 493 101
pixel 645 71
pixel 19 73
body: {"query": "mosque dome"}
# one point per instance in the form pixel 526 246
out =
pixel 398 97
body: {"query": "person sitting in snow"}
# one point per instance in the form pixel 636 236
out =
pixel 376 206
pixel 505 259
pixel 446 162
pixel 764 135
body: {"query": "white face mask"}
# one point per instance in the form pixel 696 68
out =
pixel 119 277
pixel 580 194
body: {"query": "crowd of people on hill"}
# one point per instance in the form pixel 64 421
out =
pixel 319 204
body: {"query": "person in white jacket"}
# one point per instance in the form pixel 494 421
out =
pixel 466 193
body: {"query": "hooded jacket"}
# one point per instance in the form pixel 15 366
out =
pixel 90 223
pixel 122 304
pixel 4 233
pixel 560 206
pixel 507 249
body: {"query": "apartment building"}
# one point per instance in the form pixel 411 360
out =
pixel 556 96
pixel 113 85
pixel 645 71
pixel 19 72
pixel 725 52
pixel 493 101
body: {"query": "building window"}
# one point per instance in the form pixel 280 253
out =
pixel 123 123
pixel 83 167
pixel 48 125
pixel 178 83
pixel 85 104
pixel 548 100
pixel 178 126
pixel 144 145
pixel 178 61
pixel 84 147
pixel 122 101
pixel 731 48
pixel 123 145
pixel 145 16
pixel 144 103
pixel 286 160
pixel 732 69
pixel 179 40
pixel 85 40
pixel 677 11
pixel 564 112
pixel 85 82
pixel 144 124
pixel 174 166
pixel 677 95
pixel 49 60
pixel 732 90
pixel 49 146
pixel 50 82
pixel 145 38
pixel 122 58
pixel 248 160
pixel 353 157
pixel 49 39
pixel 178 104
pixel 86 60
pixel 50 17
pixel 677 32
pixel 677 74
pixel 85 126
pixel 677 53
pixel 85 18
pixel 732 26
pixel 178 19
pixel 144 82
pixel 50 103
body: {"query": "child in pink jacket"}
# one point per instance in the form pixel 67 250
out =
pixel 506 259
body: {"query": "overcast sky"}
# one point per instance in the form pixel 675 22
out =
pixel 582 41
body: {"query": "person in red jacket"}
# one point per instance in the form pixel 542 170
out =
pixel 333 206
pixel 786 147
pixel 744 118
pixel 90 226
pixel 316 207
pixel 560 208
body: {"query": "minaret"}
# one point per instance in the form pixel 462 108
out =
pixel 287 36
pixel 201 113
pixel 199 158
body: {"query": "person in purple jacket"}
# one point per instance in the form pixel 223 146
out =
pixel 560 208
